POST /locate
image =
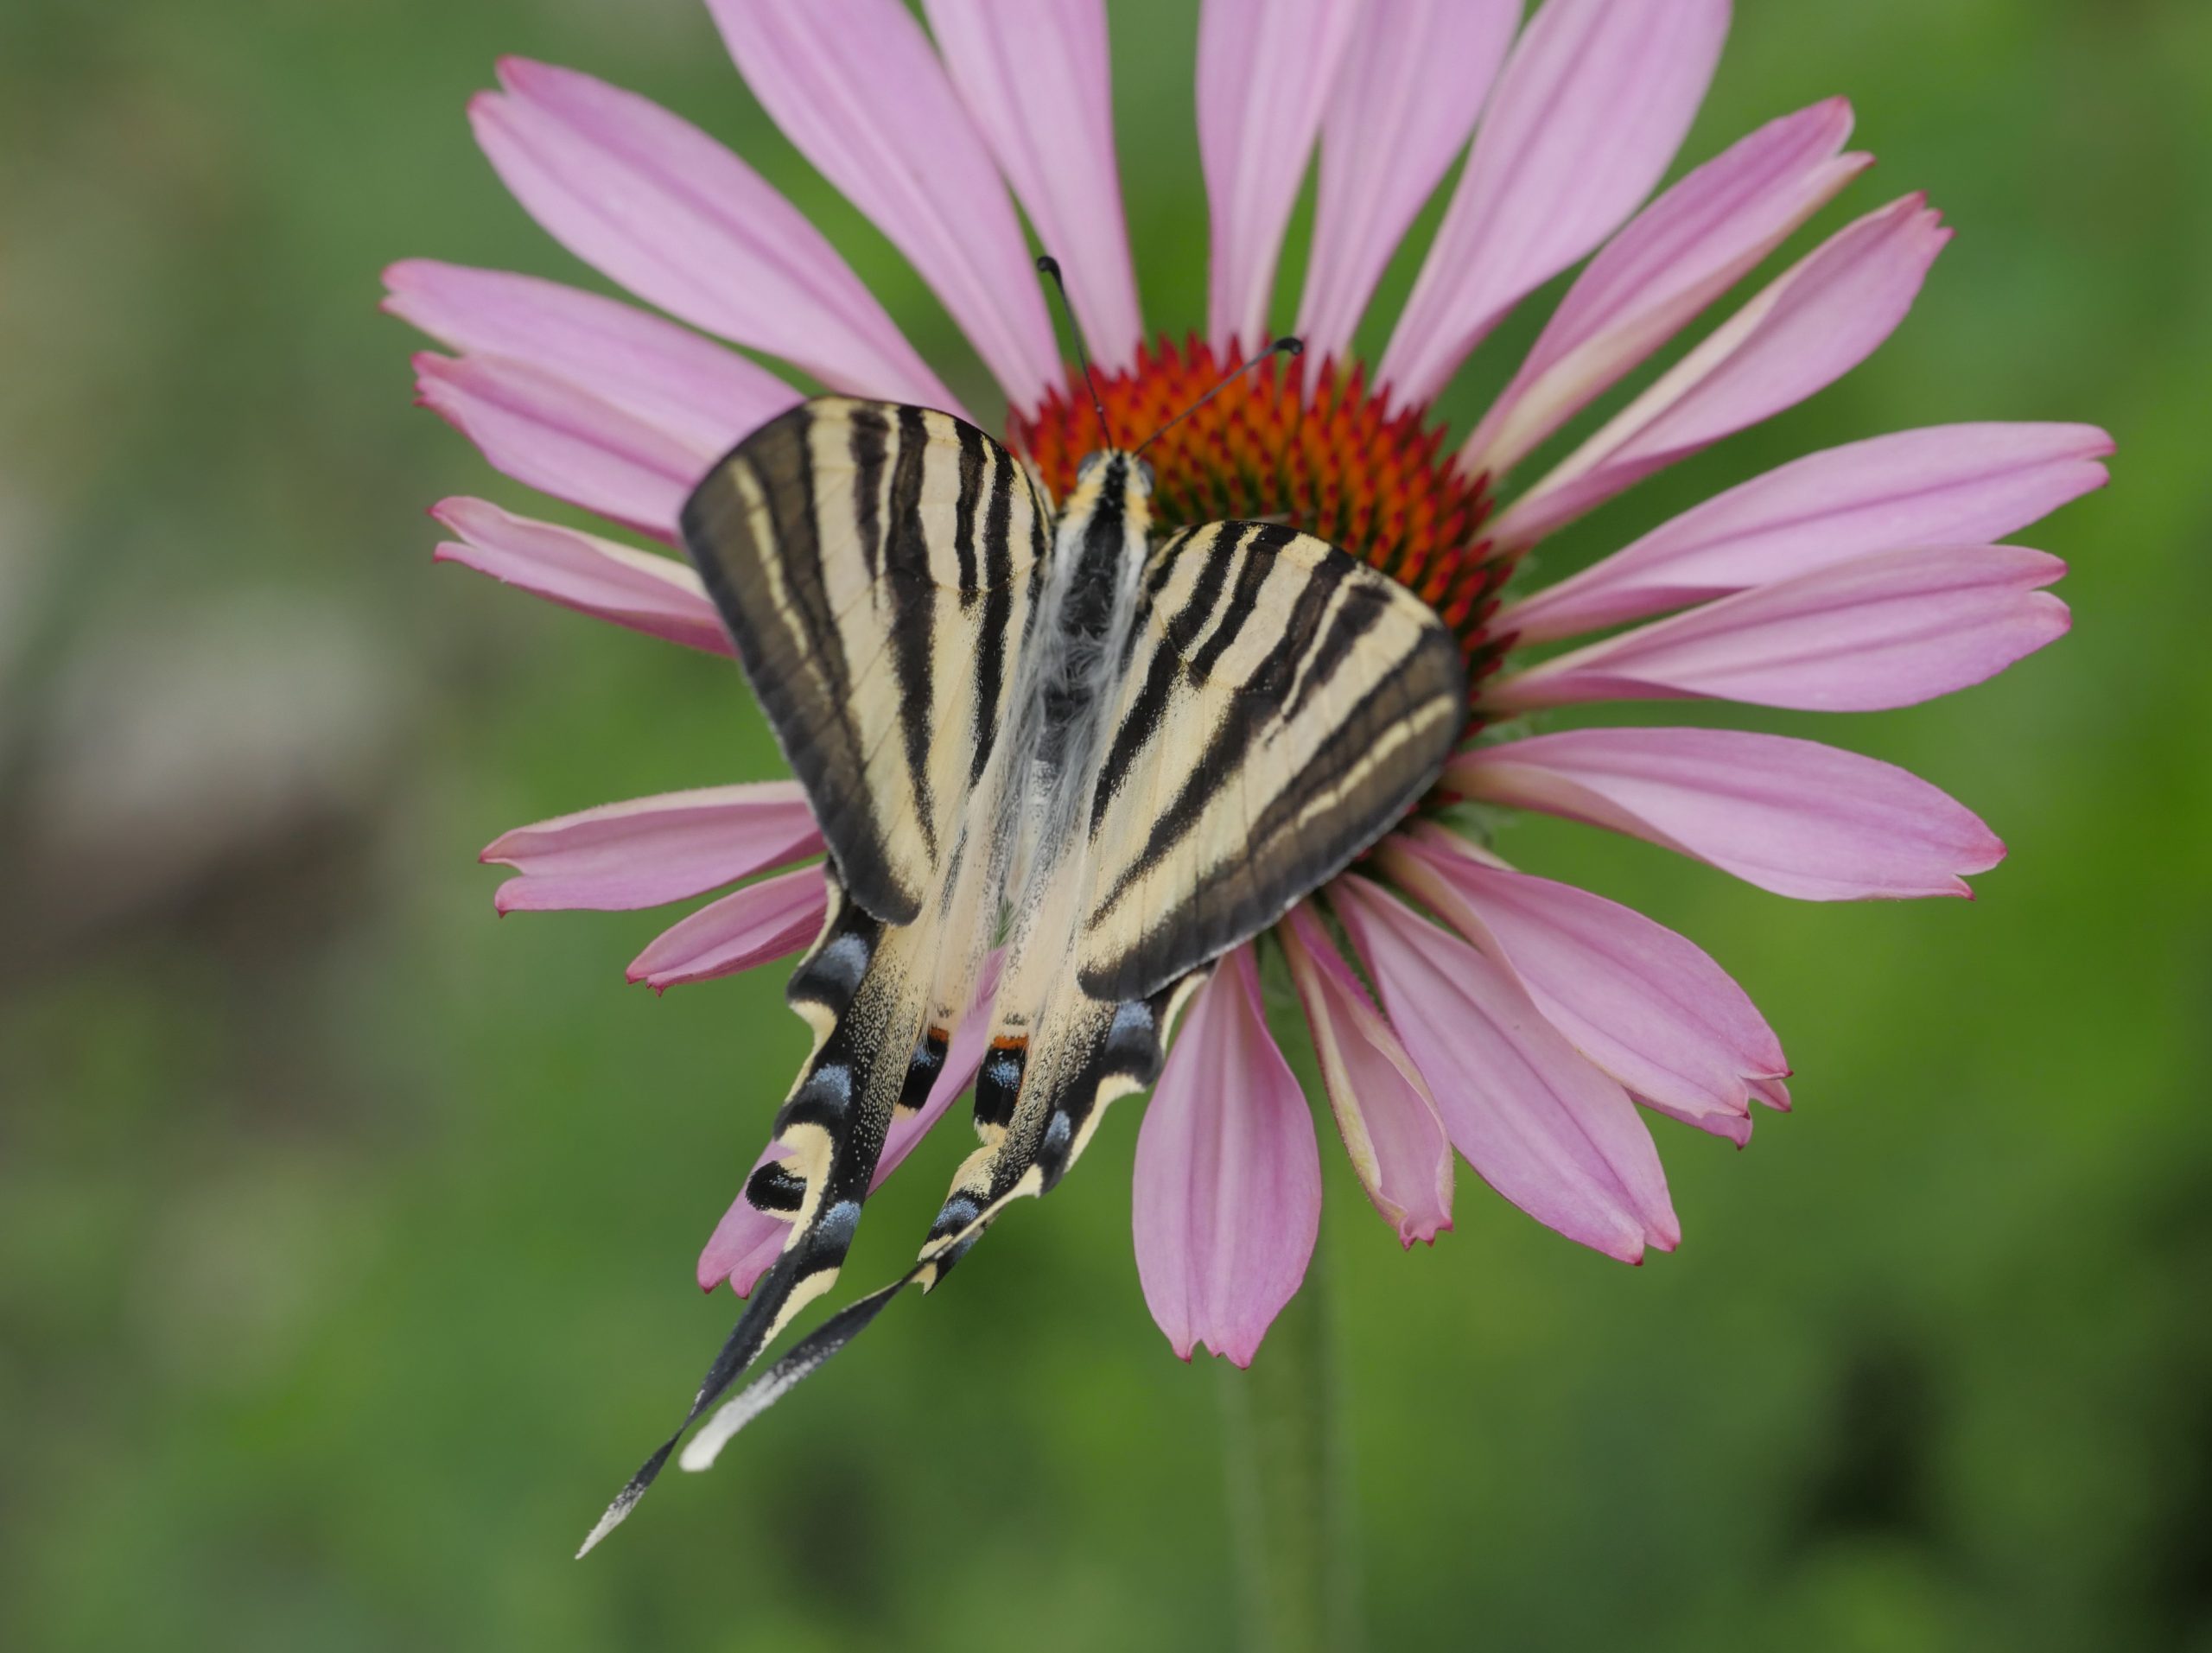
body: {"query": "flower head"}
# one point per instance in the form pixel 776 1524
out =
pixel 1458 1005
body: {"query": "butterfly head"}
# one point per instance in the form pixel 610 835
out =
pixel 1113 487
pixel 1119 478
pixel 1115 468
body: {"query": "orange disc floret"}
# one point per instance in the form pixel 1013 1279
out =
pixel 1315 449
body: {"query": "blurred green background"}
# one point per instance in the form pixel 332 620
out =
pixel 346 1233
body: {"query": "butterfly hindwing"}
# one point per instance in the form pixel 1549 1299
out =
pixel 1100 1052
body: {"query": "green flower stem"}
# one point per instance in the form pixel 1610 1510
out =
pixel 1289 1476
pixel 1296 1577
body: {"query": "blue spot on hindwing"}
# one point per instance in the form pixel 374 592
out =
pixel 844 962
pixel 1132 1043
pixel 829 1088
pixel 833 1231
pixel 958 1212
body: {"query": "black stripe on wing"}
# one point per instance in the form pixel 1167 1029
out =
pixel 913 597
pixel 794 649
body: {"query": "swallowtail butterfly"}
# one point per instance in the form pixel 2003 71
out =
pixel 1037 727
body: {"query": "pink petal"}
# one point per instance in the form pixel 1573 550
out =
pixel 1389 1120
pixel 1948 485
pixel 1884 630
pixel 1647 1006
pixel 649 200
pixel 1265 71
pixel 771 920
pixel 1789 815
pixel 1228 1200
pixel 745 1242
pixel 1404 101
pixel 1677 255
pixel 646 591
pixel 562 440
pixel 704 397
pixel 1729 1127
pixel 649 850
pixel 1539 1123
pixel 1596 98
pixel 1815 323
pixel 854 85
pixel 1035 78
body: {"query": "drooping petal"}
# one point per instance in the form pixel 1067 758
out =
pixel 1948 485
pixel 644 591
pixel 1884 630
pixel 1404 101
pixel 702 395
pixel 745 1242
pixel 1789 815
pixel 1389 1120
pixel 646 851
pixel 1228 1200
pixel 1729 1127
pixel 1540 1124
pixel 649 200
pixel 1646 1005
pixel 856 85
pixel 1265 71
pixel 1596 98
pixel 562 440
pixel 1035 76
pixel 1813 324
pixel 771 920
pixel 1676 257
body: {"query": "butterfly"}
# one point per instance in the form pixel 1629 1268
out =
pixel 1034 729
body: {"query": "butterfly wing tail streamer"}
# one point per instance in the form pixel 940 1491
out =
pixel 1039 1104
pixel 1083 1059
pixel 864 989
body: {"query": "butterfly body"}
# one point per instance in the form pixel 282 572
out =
pixel 1124 757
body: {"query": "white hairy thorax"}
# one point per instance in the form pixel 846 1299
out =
pixel 1066 689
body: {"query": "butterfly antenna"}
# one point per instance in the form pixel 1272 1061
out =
pixel 1047 264
pixel 1285 346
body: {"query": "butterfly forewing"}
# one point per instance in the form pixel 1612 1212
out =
pixel 1283 704
pixel 876 565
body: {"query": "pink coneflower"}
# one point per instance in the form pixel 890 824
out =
pixel 1457 1004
